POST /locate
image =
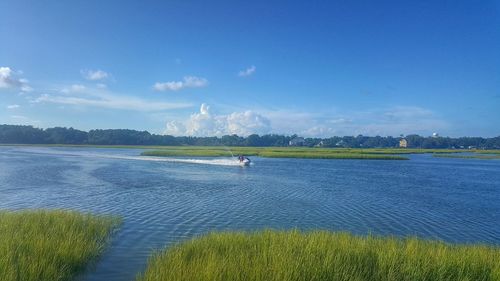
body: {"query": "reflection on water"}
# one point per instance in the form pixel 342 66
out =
pixel 164 201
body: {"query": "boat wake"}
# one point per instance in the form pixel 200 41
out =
pixel 218 161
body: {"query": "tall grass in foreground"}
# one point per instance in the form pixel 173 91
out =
pixel 289 256
pixel 50 245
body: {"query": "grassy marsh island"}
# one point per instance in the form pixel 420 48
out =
pixel 473 156
pixel 315 153
pixel 279 152
pixel 50 245
pixel 321 255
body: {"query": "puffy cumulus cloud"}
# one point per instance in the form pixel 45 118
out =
pixel 8 79
pixel 205 123
pixel 94 75
pixel 247 72
pixel 187 82
pixel 204 109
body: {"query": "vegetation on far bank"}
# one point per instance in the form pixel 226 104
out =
pixel 50 245
pixel 17 134
pixel 293 255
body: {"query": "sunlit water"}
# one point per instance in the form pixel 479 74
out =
pixel 164 201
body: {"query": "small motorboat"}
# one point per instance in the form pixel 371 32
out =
pixel 244 161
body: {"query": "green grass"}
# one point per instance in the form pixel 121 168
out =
pixel 474 156
pixel 329 155
pixel 487 151
pixel 290 256
pixel 50 245
pixel 279 152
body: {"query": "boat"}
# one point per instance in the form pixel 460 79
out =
pixel 244 161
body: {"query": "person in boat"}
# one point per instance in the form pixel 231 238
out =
pixel 241 158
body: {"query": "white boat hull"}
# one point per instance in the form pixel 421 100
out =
pixel 245 162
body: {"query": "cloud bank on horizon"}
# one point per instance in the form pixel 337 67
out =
pixel 388 121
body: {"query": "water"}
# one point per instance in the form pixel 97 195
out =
pixel 164 201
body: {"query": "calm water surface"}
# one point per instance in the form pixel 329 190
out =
pixel 162 202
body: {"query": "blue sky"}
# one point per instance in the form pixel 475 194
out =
pixel 315 68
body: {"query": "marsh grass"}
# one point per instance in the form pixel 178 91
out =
pixel 50 245
pixel 329 155
pixel 282 152
pixel 294 255
pixel 473 156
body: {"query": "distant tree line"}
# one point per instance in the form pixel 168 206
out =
pixel 17 134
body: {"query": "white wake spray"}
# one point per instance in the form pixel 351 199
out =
pixel 218 161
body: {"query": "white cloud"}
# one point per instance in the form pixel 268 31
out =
pixel 75 88
pixel 91 97
pixel 247 72
pixel 187 82
pixel 12 106
pixel 94 75
pixel 205 123
pixel 5 78
pixel 9 80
